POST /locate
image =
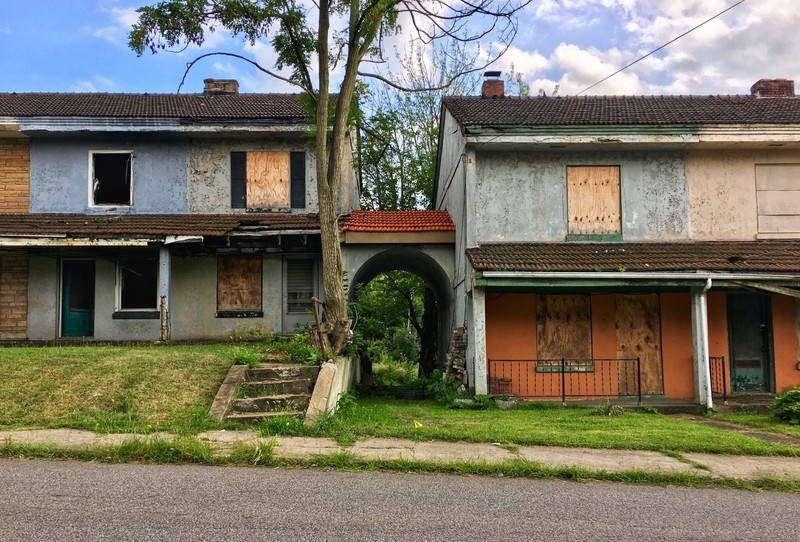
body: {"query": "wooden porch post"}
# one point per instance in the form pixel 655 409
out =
pixel 164 268
pixel 702 369
pixel 478 337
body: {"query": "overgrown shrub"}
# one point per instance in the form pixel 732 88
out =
pixel 441 388
pixel 609 409
pixel 243 355
pixel 786 406
pixel 297 349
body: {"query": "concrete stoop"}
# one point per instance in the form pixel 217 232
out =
pixel 250 395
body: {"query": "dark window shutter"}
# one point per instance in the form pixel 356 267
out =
pixel 298 180
pixel 238 180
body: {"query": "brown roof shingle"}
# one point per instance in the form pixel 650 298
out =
pixel 398 221
pixel 103 226
pixel 189 106
pixel 622 110
pixel 734 256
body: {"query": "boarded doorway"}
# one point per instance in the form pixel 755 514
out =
pixel 639 336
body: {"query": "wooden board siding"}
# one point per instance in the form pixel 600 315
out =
pixel 15 173
pixel 677 349
pixel 778 198
pixel 238 283
pixel 639 335
pixel 593 200
pixel 563 326
pixel 268 180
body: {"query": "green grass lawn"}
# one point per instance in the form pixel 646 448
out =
pixel 760 421
pixel 542 426
pixel 111 388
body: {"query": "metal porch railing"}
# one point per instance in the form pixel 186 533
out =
pixel 719 376
pixel 567 378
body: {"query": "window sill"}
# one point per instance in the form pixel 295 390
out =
pixel 136 315
pixel 597 238
pixel 239 314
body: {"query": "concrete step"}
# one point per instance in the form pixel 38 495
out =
pixel 260 388
pixel 277 371
pixel 254 418
pixel 272 403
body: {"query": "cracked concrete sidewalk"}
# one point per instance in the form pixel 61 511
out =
pixel 609 460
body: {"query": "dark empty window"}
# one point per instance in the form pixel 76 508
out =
pixel 138 284
pixel 111 178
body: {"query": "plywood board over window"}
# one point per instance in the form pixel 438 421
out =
pixel 268 180
pixel 563 326
pixel 593 200
pixel 638 324
pixel 778 197
pixel 239 285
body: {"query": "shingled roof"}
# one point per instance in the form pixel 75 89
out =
pixel 189 106
pixel 398 221
pixel 102 226
pixel 733 256
pixel 622 110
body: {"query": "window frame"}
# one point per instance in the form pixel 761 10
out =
pixel 121 313
pixel 297 179
pixel 91 176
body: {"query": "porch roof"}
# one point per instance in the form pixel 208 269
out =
pixel 766 256
pixel 149 225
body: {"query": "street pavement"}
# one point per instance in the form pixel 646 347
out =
pixel 608 460
pixel 80 501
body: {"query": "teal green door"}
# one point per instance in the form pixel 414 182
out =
pixel 749 333
pixel 77 303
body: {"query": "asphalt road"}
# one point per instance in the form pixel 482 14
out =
pixel 82 501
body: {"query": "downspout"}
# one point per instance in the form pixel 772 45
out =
pixel 706 360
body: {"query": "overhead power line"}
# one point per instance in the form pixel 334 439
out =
pixel 659 48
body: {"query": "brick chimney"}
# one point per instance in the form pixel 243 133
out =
pixel 221 86
pixel 493 86
pixel 773 88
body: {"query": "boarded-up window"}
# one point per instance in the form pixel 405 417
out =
pixel 268 180
pixel 563 326
pixel 299 285
pixel 778 196
pixel 239 286
pixel 593 200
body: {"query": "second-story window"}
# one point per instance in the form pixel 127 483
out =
pixel 268 180
pixel 593 201
pixel 111 177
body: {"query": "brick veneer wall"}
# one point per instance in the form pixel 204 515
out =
pixel 13 295
pixel 15 174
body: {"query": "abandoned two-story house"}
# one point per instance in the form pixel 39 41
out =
pixel 147 216
pixel 625 245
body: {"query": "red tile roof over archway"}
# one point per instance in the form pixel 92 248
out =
pixel 398 221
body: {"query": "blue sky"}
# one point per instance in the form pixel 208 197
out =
pixel 80 45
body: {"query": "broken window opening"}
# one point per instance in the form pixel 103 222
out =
pixel 111 178
pixel 138 284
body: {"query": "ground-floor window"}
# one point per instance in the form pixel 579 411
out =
pixel 239 286
pixel 299 285
pixel 137 284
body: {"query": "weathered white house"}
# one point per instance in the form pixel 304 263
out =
pixel 142 216
pixel 617 245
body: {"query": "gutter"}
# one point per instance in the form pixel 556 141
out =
pixel 626 275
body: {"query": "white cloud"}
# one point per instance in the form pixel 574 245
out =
pixel 122 19
pixel 98 83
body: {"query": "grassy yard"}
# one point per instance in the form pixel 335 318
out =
pixel 549 426
pixel 760 421
pixel 111 388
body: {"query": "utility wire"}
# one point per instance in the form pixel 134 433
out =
pixel 659 48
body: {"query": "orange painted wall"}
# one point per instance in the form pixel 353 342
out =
pixel 676 345
pixel 510 335
pixel 784 331
pixel 718 333
pixel 604 332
